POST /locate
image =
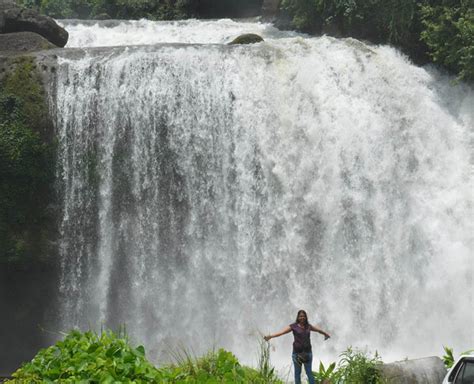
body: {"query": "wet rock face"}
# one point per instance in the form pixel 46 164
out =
pixel 247 38
pixel 270 8
pixel 14 18
pixel 419 371
pixel 24 42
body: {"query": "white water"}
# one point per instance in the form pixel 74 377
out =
pixel 212 191
pixel 145 32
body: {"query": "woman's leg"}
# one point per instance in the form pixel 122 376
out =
pixel 308 367
pixel 297 367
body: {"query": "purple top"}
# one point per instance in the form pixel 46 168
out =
pixel 302 341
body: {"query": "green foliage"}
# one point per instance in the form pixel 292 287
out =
pixel 108 358
pixel 440 29
pixel 380 20
pixel 26 164
pixel 325 375
pixel 357 367
pixel 265 369
pixel 449 33
pixel 57 8
pixel 135 9
pixel 448 357
pixel 354 367
pixel 215 367
pixel 35 4
pixel 116 9
pixel 89 358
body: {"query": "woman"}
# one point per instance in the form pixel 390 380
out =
pixel 302 354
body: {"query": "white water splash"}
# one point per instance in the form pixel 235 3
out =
pixel 211 191
pixel 146 32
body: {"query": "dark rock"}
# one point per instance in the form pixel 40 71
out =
pixel 14 18
pixel 102 16
pixel 270 9
pixel 283 20
pixel 215 9
pixel 427 370
pixel 24 42
pixel 247 38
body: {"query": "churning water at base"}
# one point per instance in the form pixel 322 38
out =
pixel 211 191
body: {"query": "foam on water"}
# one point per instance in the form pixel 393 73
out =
pixel 146 32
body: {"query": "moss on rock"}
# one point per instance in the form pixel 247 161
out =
pixel 26 164
pixel 247 38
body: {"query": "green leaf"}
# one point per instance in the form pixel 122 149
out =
pixel 141 350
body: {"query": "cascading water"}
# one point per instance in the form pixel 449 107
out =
pixel 211 191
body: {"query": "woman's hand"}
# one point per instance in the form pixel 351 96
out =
pixel 282 332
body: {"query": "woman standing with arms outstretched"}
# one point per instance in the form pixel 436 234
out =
pixel 302 354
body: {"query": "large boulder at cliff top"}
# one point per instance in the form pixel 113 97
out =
pixel 247 38
pixel 14 18
pixel 24 42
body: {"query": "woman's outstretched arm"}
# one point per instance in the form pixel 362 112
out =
pixel 319 330
pixel 282 332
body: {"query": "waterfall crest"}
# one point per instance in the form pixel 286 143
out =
pixel 211 191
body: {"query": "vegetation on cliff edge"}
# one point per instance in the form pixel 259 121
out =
pixel 26 164
pixel 437 30
pixel 150 9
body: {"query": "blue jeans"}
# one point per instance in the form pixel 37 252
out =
pixel 307 368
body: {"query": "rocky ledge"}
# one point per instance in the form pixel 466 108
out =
pixel 24 30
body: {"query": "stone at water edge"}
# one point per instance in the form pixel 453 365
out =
pixel 247 38
pixel 14 18
pixel 428 370
pixel 24 42
pixel 270 9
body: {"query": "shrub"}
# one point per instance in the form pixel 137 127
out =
pixel 108 358
pixel 116 9
pixel 380 20
pixel 89 358
pixel 440 30
pixel 325 375
pixel 448 357
pixel 449 34
pixel 354 367
pixel 357 367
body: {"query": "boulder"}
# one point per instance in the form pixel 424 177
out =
pixel 24 42
pixel 427 370
pixel 247 38
pixel 14 18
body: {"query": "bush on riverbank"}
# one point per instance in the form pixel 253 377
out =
pixel 437 30
pixel 354 367
pixel 107 358
pixel 115 9
pixel 150 9
pixel 449 33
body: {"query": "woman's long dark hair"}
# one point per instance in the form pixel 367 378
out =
pixel 298 315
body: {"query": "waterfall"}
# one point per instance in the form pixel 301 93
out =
pixel 210 191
